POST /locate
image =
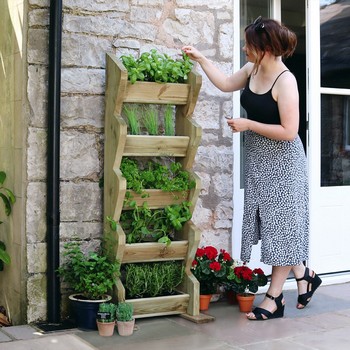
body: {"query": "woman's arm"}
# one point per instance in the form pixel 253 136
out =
pixel 287 96
pixel 223 82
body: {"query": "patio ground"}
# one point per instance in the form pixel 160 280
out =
pixel 323 325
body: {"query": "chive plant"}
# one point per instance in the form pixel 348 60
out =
pixel 131 114
pixel 150 121
pixel 169 128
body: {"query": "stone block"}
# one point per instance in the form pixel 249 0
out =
pixel 36 212
pixel 36 296
pixel 82 111
pixel 36 257
pixel 81 201
pixel 84 50
pixel 79 155
pixel 37 95
pixel 37 154
pixel 83 81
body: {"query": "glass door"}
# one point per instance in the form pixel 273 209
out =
pixel 292 14
pixel 329 135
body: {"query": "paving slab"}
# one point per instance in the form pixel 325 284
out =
pixel 53 342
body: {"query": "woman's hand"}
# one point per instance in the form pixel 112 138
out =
pixel 238 124
pixel 193 53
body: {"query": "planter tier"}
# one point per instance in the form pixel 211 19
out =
pixel 183 146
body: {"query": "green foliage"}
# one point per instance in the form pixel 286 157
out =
pixel 91 274
pixel 157 67
pixel 124 312
pixel 8 199
pixel 243 279
pixel 152 279
pixel 155 175
pixel 150 121
pixel 142 224
pixel 131 114
pixel 106 312
pixel 169 128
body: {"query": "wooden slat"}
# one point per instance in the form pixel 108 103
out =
pixel 160 306
pixel 143 252
pixel 158 93
pixel 144 145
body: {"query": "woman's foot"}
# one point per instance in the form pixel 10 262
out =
pixel 307 285
pixel 271 307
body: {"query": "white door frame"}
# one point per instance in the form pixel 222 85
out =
pixel 312 14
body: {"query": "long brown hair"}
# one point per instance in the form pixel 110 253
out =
pixel 269 35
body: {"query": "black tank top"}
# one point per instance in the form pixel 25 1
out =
pixel 261 107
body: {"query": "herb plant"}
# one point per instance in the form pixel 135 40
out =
pixel 155 175
pixel 157 67
pixel 152 279
pixel 169 128
pixel 91 274
pixel 150 121
pixel 106 312
pixel 8 198
pixel 124 312
pixel 131 114
pixel 142 224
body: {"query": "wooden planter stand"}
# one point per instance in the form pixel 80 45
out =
pixel 183 147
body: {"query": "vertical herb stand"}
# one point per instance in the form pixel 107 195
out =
pixel 183 147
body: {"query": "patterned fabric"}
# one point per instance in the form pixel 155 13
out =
pixel 275 201
pixel 276 198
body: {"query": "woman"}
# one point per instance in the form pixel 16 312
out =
pixel 276 185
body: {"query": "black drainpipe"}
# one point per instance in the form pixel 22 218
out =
pixel 53 162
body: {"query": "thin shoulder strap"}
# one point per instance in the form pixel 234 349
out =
pixel 287 70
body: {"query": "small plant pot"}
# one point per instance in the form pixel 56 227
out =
pixel 245 302
pixel 125 328
pixel 204 301
pixel 105 329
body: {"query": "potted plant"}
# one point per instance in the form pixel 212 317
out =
pixel 156 67
pixel 210 268
pixel 91 276
pixel 106 319
pixel 8 198
pixel 125 318
pixel 245 282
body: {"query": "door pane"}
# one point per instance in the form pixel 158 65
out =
pixel 335 43
pixel 335 140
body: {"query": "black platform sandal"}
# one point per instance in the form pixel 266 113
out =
pixel 312 281
pixel 260 312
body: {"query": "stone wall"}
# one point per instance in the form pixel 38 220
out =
pixel 90 29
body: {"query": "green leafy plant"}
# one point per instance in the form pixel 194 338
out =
pixel 244 280
pixel 131 114
pixel 211 268
pixel 8 199
pixel 155 175
pixel 169 128
pixel 157 67
pixel 142 224
pixel 124 312
pixel 152 279
pixel 150 121
pixel 92 274
pixel 106 312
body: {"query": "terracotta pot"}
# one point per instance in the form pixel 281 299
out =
pixel 245 302
pixel 105 329
pixel 125 328
pixel 204 301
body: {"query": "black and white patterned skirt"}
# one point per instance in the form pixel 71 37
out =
pixel 276 200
